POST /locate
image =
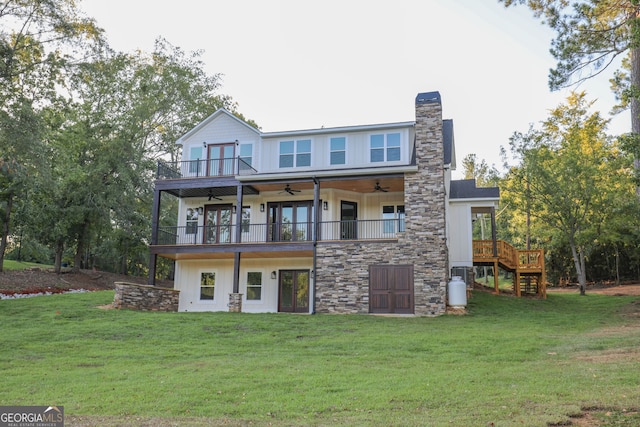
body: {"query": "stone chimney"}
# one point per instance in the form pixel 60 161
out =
pixel 424 194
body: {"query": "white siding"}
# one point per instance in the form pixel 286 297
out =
pixel 357 150
pixel 187 280
pixel 460 235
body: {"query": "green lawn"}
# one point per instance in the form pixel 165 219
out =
pixel 21 265
pixel 510 361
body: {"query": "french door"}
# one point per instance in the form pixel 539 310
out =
pixel 221 159
pixel 217 224
pixel 290 221
pixel 293 291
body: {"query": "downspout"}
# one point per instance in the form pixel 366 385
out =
pixel 316 230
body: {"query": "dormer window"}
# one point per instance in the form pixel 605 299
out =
pixel 295 153
pixel 385 147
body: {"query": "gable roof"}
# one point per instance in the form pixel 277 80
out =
pixel 466 189
pixel 219 112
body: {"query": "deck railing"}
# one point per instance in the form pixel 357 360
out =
pixel 199 168
pixel 509 256
pixel 380 229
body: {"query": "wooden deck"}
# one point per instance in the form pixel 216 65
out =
pixel 526 265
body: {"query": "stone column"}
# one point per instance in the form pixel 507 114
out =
pixel 235 303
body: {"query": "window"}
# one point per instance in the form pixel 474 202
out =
pixel 207 286
pixel 295 153
pixel 246 219
pixel 246 155
pixel 195 157
pixel 393 217
pixel 254 286
pixel 385 147
pixel 192 221
pixel 338 150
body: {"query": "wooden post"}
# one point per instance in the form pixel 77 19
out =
pixel 496 276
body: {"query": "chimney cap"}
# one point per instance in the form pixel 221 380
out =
pixel 428 98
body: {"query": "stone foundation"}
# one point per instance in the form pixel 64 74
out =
pixel 145 298
pixel 235 303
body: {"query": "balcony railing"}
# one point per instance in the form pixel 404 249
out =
pixel 381 229
pixel 203 168
pixel 508 256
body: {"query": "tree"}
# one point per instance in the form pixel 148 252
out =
pixel 34 36
pixel 591 34
pixel 572 176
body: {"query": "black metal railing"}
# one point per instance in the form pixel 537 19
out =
pixel 204 167
pixel 378 229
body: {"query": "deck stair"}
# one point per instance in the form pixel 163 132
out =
pixel 527 266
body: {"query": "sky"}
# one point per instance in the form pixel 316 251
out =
pixel 306 64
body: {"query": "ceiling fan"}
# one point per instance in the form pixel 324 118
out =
pixel 288 189
pixel 211 196
pixel 378 188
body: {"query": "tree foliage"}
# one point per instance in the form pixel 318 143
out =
pixel 81 128
pixel 591 34
pixel 574 180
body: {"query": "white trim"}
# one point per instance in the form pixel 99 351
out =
pixel 344 129
pixel 329 172
pixel 218 112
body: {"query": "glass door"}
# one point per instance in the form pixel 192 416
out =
pixel 290 221
pixel 221 158
pixel 348 220
pixel 294 291
pixel 217 224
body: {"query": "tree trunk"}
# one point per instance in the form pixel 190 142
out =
pixel 58 257
pixel 5 228
pixel 578 261
pixel 80 247
pixel 635 109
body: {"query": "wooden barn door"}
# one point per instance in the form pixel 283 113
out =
pixel 391 289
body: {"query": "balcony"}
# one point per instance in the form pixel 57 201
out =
pixel 200 168
pixel 225 234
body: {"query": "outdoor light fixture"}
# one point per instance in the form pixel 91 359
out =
pixel 204 143
pixel 325 206
pixel 233 209
pixel 200 210
pixel 273 274
pixel 261 207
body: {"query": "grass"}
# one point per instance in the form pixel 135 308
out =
pixel 21 265
pixel 510 361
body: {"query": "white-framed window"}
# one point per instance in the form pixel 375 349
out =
pixel 338 150
pixel 393 218
pixel 192 221
pixel 384 147
pixel 295 153
pixel 254 286
pixel 196 161
pixel 207 285
pixel 246 153
pixel 246 219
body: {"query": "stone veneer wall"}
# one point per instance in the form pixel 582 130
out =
pixel 342 270
pixel 145 297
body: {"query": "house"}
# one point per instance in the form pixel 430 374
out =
pixel 357 219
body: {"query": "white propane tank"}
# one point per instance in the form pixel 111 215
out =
pixel 457 292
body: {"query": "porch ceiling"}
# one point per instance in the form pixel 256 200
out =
pixel 358 185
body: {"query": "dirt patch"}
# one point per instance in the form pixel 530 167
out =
pixel 36 280
pixel 626 289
